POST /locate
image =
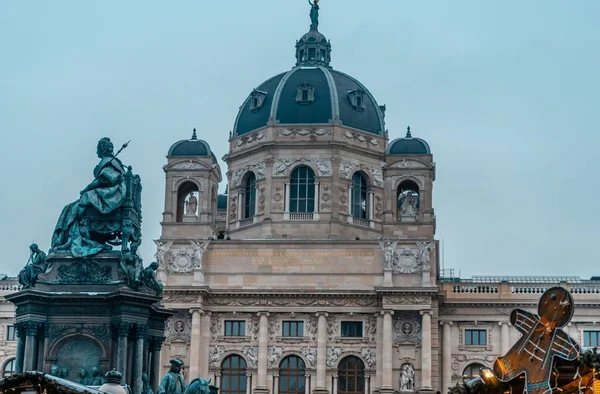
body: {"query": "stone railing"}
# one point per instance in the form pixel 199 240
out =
pixel 360 222
pixel 466 289
pixel 301 216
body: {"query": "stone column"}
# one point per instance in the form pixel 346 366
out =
pixel 321 353
pixel 42 346
pixel 20 327
pixel 316 210
pixel 335 384
pixel 350 203
pixel 196 334
pixel 248 383
pixel 504 338
pixel 426 351
pixel 205 343
pixel 263 343
pixel 367 384
pixel 31 329
pixel 141 331
pixel 379 350
pixel 123 334
pixel 388 343
pixel 287 198
pixel 240 206
pixel 307 389
pixel 156 365
pixel 275 384
pixel 446 356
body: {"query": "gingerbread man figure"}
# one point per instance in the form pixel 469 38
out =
pixel 542 340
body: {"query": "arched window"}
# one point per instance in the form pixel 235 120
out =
pixel 9 368
pixel 187 201
pixel 472 371
pixel 292 375
pixel 409 201
pixel 233 375
pixel 351 376
pixel 360 204
pixel 302 190
pixel 250 196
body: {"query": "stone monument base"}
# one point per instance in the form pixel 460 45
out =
pixel 82 318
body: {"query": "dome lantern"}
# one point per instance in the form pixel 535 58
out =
pixel 313 49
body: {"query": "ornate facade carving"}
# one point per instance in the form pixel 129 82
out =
pixel 215 327
pixel 407 328
pixel 274 329
pixel 251 138
pixel 419 179
pixel 251 355
pixel 371 328
pixel 343 200
pixel 180 296
pixel 325 198
pixel 302 132
pixel 258 169
pixel 178 327
pixel 281 167
pixel 332 328
pixel 216 356
pixel 261 200
pixel 278 197
pixel 310 357
pixel 274 354
pixel 405 260
pixel 291 301
pixel 370 357
pixel 407 163
pixel 188 165
pixel 348 167
pixel 406 300
pixel 333 354
pixel 360 138
pixel 181 260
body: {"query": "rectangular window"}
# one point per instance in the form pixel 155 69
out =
pixel 293 328
pixel 476 337
pixel 235 328
pixel 352 329
pixel 11 333
pixel 591 338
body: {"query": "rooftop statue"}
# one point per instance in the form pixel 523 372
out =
pixel 314 14
pixel 107 213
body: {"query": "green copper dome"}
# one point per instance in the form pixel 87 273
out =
pixel 191 147
pixel 408 146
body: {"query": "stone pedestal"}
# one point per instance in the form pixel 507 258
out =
pixel 85 316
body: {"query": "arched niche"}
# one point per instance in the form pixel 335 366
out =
pixel 408 199
pixel 188 201
pixel 75 352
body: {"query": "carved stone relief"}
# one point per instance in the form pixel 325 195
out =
pixel 407 328
pixel 343 200
pixel 311 328
pixel 249 139
pixel 281 167
pixel 406 260
pixel 274 354
pixel 216 355
pixel 188 165
pixel 288 301
pixel 181 260
pixel 258 169
pixel 360 138
pixel 253 327
pixel 347 167
pixel 371 328
pixel 302 132
pixel 326 198
pixel 332 328
pixel 180 296
pixel 420 179
pixel 278 198
pixel 369 355
pixel 178 327
pixel 274 329
pixel 378 208
pixel 333 354
pixel 233 208
pixel 251 355
pixel 407 163
pixel 406 300
pixel 215 327
pixel 261 200
pixel 310 357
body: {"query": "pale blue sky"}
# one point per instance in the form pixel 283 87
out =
pixel 505 92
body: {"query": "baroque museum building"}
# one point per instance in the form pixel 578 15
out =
pixel 318 270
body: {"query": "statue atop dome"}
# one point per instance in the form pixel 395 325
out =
pixel 314 14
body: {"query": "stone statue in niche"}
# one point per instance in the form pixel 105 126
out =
pixel 407 378
pixel 173 382
pixel 191 205
pixel 408 204
pixel 35 266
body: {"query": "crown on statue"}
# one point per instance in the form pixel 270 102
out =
pixel 114 376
